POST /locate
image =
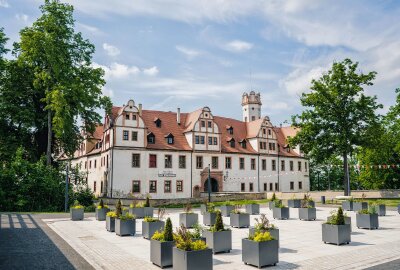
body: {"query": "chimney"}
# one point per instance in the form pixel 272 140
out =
pixel 178 116
pixel 140 109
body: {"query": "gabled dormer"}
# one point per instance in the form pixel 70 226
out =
pixel 231 142
pixel 169 138
pixel 243 143
pixel 157 121
pixel 151 138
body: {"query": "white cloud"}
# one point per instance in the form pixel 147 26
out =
pixel 190 53
pixel 151 71
pixel 118 71
pixel 299 80
pixel 4 4
pixel 92 29
pixel 238 46
pixel 107 92
pixel 111 50
pixel 22 17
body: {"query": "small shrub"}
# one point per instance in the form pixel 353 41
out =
pixel 198 245
pixel 77 205
pixel 197 230
pixel 211 208
pixel 337 217
pixel 158 236
pixel 263 224
pixel 127 216
pixel 261 237
pixel 147 203
pixel 219 225
pixel 118 208
pixel 168 234
pixel 187 208
pixel 101 204
pixel 273 198
pixel 160 213
pixel 237 209
pixel 279 204
pixel 150 219
pixel 112 214
pixel 184 240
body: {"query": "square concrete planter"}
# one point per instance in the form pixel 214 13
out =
pixel 149 228
pixel 357 206
pixel 367 221
pixel 203 209
pixel 260 254
pixel 253 209
pixel 381 209
pixel 76 213
pixel 138 212
pixel 295 203
pixel 110 224
pixel 307 213
pixel 161 253
pixel 336 234
pixel 148 211
pixel 280 213
pixel 347 205
pixel 226 210
pixel 209 218
pixel 271 205
pixel 240 220
pixel 274 233
pixel 101 214
pixel 347 220
pixel 125 227
pixel 192 260
pixel 219 241
pixel 188 219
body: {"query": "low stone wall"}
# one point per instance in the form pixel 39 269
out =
pixel 216 197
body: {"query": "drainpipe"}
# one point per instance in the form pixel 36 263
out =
pixel 258 172
pixel 191 175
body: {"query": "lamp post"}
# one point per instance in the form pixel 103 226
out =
pixel 209 184
pixel 66 188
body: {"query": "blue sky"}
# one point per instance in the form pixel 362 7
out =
pixel 189 54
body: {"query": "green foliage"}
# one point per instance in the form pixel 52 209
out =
pixel 198 245
pixel 158 236
pixel 336 218
pixel 101 204
pixel 198 229
pixel 77 205
pixel 261 237
pixel 126 216
pixel 263 224
pixel 279 204
pixel 118 208
pixel 184 240
pixel 112 214
pixel 219 225
pixel 147 203
pixel 150 219
pixel 338 114
pixel 168 235
pixel 370 211
pixel 188 208
pixel 273 198
pixel 237 209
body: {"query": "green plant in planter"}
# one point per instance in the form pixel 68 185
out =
pixel 184 240
pixel 197 229
pixel 337 218
pixel 77 205
pixel 112 214
pixel 211 208
pixel 237 209
pixel 127 216
pixel 147 203
pixel 118 208
pixel 273 198
pixel 166 235
pixel 160 216
pixel 305 202
pixel 279 204
pixel 263 224
pixel 370 211
pixel 261 237
pixel 219 225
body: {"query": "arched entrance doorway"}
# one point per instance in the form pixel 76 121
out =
pixel 214 185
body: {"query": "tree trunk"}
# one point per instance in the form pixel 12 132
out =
pixel 49 137
pixel 346 175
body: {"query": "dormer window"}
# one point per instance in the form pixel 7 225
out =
pixel 231 142
pixel 127 116
pixel 169 138
pixel 157 121
pixel 229 129
pixel 151 139
pixel 243 143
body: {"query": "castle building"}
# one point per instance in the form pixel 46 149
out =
pixel 171 154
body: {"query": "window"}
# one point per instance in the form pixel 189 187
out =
pixel 134 136
pixel 203 123
pixel 261 145
pixel 253 118
pixel 265 145
pixel 85 164
pixel 151 139
pixel 244 145
pixel 300 185
pixel 210 140
pixel 214 162
pixel 282 165
pixel 230 130
pixel 199 162
pixel 90 164
pixel 305 166
pixel 167 186
pixel 253 163
pixel 299 165
pixel 242 187
pixel 202 140
pixel 291 165
pixel 209 123
pixel 152 161
pixel 264 131
pixel 170 139
pixel 94 186
pixel 95 163
pixel 265 186
pixel 241 163
pixel 197 139
pixel 127 116
pixel 107 162
pixel 269 132
pixel 232 143
pixel 135 160
pixel 228 163
pixel 291 185
pixel 101 187
pixel 133 116
pixel 251 187
pixel 264 164
pixel 158 122
pixel 135 186
pixel 274 165
pixel 182 162
pixel 168 161
pixel 271 187
pixel 125 135
pixel 179 186
pixel 153 186
pixel 276 187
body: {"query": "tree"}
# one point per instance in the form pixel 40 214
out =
pixel 337 115
pixel 60 61
pixel 168 234
pixel 118 208
pixel 219 225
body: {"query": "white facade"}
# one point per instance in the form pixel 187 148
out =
pixel 167 154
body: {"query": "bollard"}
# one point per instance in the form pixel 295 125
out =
pixel 323 199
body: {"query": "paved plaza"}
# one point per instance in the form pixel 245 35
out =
pixel 301 246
